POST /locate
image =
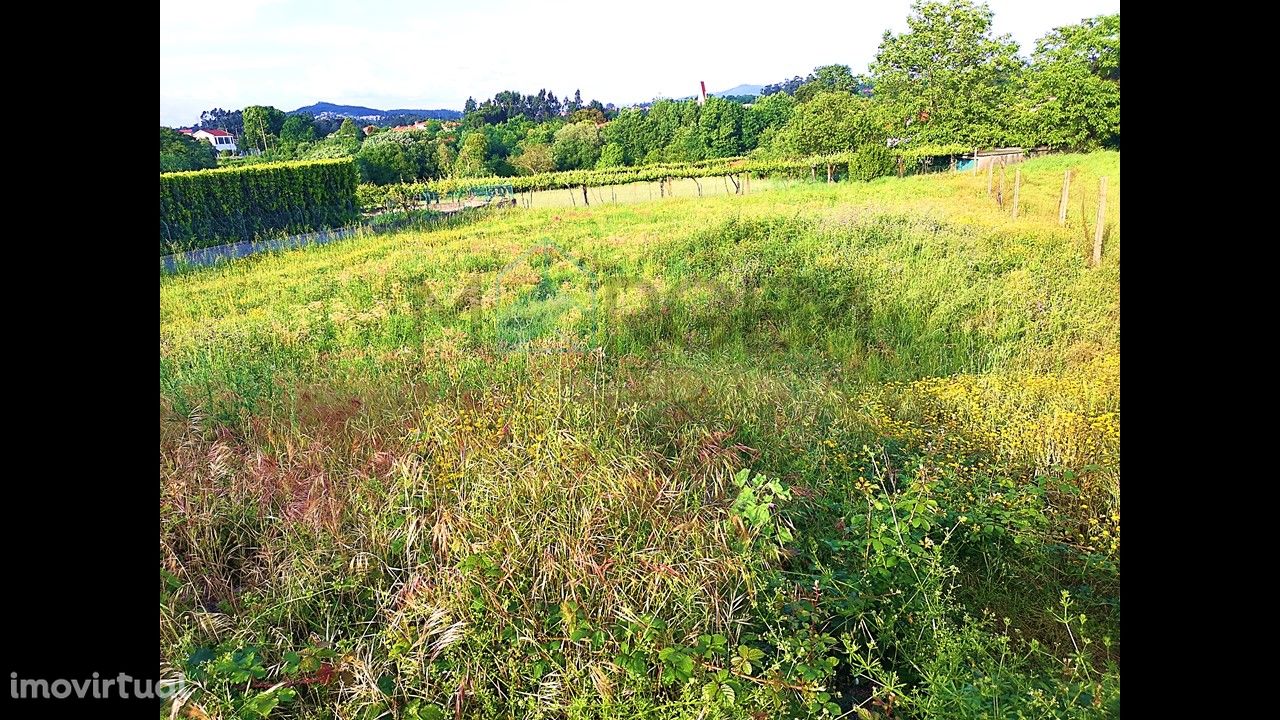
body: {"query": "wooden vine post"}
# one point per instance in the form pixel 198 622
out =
pixel 1017 187
pixel 1062 203
pixel 1101 221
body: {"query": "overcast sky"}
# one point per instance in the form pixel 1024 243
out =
pixel 416 54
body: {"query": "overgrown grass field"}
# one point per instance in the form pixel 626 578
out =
pixel 821 451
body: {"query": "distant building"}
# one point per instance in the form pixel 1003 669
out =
pixel 420 125
pixel 219 139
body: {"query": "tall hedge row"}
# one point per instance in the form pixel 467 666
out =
pixel 212 207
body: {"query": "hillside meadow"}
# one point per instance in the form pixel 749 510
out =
pixel 823 450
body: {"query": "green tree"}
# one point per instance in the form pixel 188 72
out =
pixel 832 122
pixel 343 142
pixel 720 124
pixel 1093 43
pixel 385 162
pixel 827 78
pixel 611 155
pixel 183 152
pixel 471 158
pixel 663 119
pixel 544 133
pixel 392 156
pixel 348 131
pixel 262 126
pixel 764 118
pixel 948 79
pixel 534 158
pixel 298 129
pixel 1071 98
pixel 445 156
pixel 631 131
pixel 574 105
pixel 503 143
pixel 576 146
pixel 588 114
pixel 687 145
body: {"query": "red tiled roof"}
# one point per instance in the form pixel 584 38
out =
pixel 218 133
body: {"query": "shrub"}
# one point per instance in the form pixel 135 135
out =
pixel 870 162
pixel 211 207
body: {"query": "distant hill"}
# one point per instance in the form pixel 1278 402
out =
pixel 736 90
pixel 740 90
pixel 328 109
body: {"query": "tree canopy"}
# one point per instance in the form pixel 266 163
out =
pixel 947 80
pixel 183 152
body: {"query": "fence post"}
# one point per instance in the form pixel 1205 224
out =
pixel 1062 204
pixel 1102 218
pixel 975 159
pixel 1017 186
pixel 990 169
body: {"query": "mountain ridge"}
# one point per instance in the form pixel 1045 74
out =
pixel 360 111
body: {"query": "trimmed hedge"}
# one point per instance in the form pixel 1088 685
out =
pixel 212 207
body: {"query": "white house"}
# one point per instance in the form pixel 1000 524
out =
pixel 219 139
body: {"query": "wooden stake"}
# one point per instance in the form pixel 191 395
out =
pixel 975 160
pixel 1017 186
pixel 1100 222
pixel 1062 204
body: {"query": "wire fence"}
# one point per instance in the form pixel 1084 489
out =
pixel 383 223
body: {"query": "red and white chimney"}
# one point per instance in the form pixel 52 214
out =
pixel 702 99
